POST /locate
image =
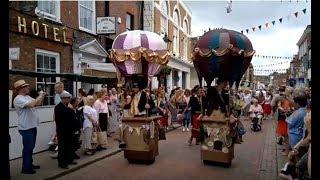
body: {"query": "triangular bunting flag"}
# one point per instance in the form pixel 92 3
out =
pixel 267 24
pixel 296 14
pixel 273 22
pixel 253 29
pixel 247 30
pixel 260 27
pixel 304 11
pixel 280 20
pixel 288 17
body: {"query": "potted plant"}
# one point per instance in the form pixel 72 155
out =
pixel 166 70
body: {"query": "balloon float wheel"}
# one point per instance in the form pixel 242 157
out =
pixel 206 162
pixel 151 161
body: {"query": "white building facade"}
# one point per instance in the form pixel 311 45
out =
pixel 172 18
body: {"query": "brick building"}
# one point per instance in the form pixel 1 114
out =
pixel 61 37
pixel 42 46
pixel 57 37
pixel 172 18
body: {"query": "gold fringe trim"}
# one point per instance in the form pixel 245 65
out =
pixel 135 54
pixel 209 52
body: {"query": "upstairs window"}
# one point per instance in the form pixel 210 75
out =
pixel 129 22
pixel 49 10
pixel 87 16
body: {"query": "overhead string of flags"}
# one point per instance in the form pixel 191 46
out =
pixel 266 25
pixel 270 70
pixel 273 64
pixel 273 57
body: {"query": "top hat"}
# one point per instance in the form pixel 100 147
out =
pixel 20 84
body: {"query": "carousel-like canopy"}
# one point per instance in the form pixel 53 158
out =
pixel 139 53
pixel 222 53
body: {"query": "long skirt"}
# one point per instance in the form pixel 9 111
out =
pixel 267 109
pixel 86 141
pixel 103 121
pixel 113 121
pixel 195 132
pixel 174 113
pixel 282 127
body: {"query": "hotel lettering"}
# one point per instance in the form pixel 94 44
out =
pixel 37 27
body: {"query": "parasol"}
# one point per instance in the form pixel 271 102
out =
pixel 139 53
pixel 222 53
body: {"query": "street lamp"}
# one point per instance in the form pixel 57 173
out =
pixel 167 40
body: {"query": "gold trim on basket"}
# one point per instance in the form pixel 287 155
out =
pixel 210 52
pixel 135 54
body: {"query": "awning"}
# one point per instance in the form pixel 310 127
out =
pixel 69 76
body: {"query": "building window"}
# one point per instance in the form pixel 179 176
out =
pixel 49 10
pixel 185 40
pixel 164 17
pixel 87 16
pixel 129 22
pixel 176 32
pixel 47 61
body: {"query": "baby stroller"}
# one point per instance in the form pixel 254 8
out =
pixel 255 125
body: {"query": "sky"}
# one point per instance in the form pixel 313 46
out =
pixel 279 39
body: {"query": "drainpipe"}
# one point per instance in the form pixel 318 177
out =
pixel 141 14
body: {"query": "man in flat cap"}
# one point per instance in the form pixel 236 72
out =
pixel 28 120
pixel 65 118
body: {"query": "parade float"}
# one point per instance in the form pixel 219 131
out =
pixel 139 54
pixel 223 54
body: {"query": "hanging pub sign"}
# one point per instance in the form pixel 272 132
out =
pixel 106 25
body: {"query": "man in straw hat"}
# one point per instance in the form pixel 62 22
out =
pixel 28 120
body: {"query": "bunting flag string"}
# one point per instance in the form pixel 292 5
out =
pixel 273 57
pixel 269 70
pixel 273 64
pixel 296 14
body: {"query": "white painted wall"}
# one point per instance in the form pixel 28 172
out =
pixel 45 130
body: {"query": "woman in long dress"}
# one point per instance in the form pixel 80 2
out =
pixel 267 105
pixel 101 106
pixel 197 111
pixel 172 105
pixel 115 105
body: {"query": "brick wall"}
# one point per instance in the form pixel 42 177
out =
pixel 120 9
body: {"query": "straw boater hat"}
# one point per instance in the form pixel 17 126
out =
pixel 20 84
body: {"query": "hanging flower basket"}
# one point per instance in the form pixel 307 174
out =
pixel 166 70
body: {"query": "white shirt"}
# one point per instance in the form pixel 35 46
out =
pixel 91 112
pixel 247 98
pixel 27 117
pixel 254 108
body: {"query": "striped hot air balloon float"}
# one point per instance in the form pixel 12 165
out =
pixel 139 53
pixel 222 53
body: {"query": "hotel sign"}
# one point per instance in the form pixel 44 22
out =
pixel 106 25
pixel 41 29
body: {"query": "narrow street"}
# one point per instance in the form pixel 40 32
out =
pixel 178 160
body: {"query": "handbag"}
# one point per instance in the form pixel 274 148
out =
pixel 94 136
pixel 101 137
pixel 240 129
pixel 162 134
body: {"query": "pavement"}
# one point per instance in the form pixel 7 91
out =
pixel 259 157
pixel 49 167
